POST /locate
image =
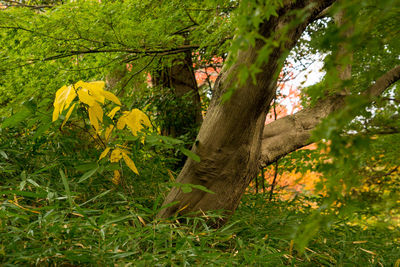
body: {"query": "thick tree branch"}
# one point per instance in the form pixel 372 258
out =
pixel 229 140
pixel 292 132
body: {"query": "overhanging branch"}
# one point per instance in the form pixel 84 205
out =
pixel 292 132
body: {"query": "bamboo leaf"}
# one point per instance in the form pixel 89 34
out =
pixel 190 154
pixel 88 174
pixel 66 186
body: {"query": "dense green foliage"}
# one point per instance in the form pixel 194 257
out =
pixel 59 204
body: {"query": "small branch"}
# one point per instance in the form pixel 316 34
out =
pixel 134 74
pixel 274 181
pixel 11 3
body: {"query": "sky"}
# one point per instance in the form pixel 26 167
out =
pixel 310 76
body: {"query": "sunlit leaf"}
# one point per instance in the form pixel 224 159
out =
pixel 108 132
pixel 135 120
pixel 64 96
pixel 68 114
pixel 115 155
pixel 93 118
pixel 104 153
pixel 98 111
pixel 130 163
pixel 122 121
pixel 94 89
pixel 84 97
pixel 110 96
pixel 111 114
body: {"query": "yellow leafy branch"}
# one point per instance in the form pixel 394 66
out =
pixel 92 95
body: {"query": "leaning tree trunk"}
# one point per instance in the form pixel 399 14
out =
pixel 229 140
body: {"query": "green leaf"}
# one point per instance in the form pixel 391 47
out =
pixel 3 154
pixel 96 197
pixel 66 186
pixel 186 189
pixel 88 174
pixel 43 128
pixel 190 154
pixel 16 118
pixel 202 188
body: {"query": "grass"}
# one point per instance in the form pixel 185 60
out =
pixel 113 230
pixel 48 217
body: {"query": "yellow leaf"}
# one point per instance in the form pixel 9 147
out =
pixel 135 120
pixel 94 89
pixel 84 97
pixel 117 177
pixel 184 207
pixel 56 112
pixel 64 96
pixel 130 163
pixel 111 114
pixel 68 114
pixel 104 153
pixel 108 132
pixel 115 155
pixel 110 96
pixel 122 121
pixel 96 86
pixel 93 118
pixel 98 111
pixel 19 206
pixel 141 220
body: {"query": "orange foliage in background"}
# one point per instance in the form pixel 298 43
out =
pixel 206 73
pixel 288 184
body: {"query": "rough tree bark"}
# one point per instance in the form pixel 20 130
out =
pixel 229 140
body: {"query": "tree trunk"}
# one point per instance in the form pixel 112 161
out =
pixel 179 78
pixel 230 137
